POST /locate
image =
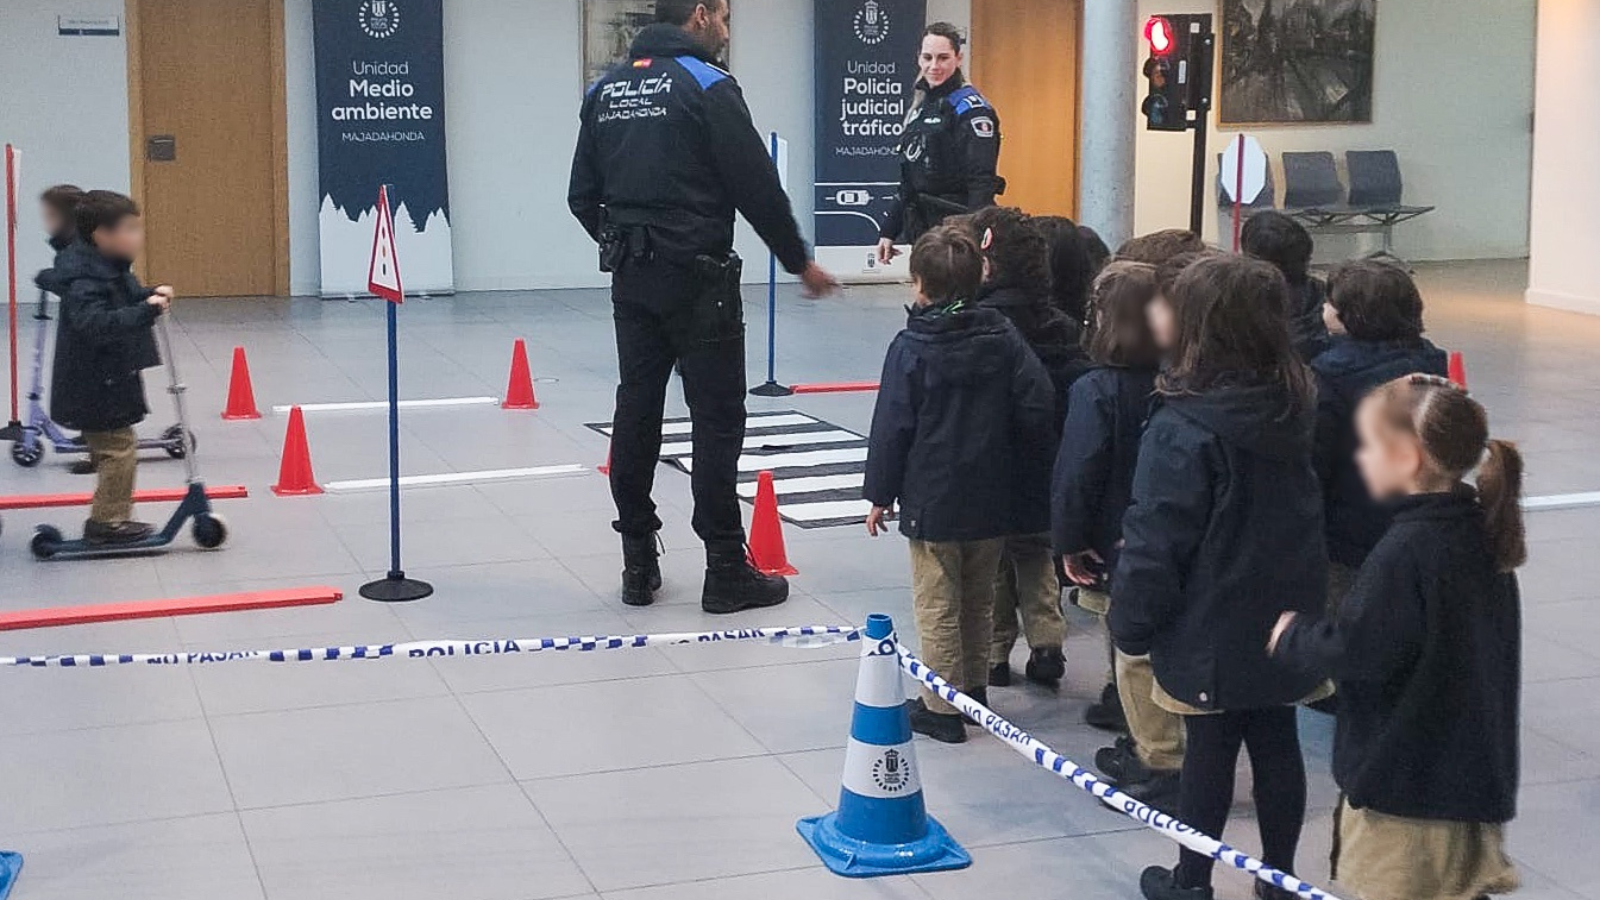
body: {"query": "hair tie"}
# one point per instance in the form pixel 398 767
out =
pixel 988 238
pixel 1435 381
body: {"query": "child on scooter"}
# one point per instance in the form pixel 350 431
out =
pixel 103 345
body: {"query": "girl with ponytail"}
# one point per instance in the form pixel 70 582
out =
pixel 1426 653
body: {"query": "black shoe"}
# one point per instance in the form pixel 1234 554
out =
pixel 946 728
pixel 734 585
pixel 1000 675
pixel 1121 764
pixel 1047 666
pixel 1158 883
pixel 100 534
pixel 641 569
pixel 982 696
pixel 82 467
pixel 1266 891
pixel 1107 715
pixel 1159 792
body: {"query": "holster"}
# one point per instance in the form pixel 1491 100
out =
pixel 620 243
pixel 718 305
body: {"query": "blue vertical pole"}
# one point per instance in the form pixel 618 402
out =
pixel 394 442
pixel 772 388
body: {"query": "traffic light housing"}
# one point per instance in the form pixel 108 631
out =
pixel 1178 70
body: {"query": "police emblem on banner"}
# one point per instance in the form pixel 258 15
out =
pixel 872 23
pixel 380 18
pixel 892 772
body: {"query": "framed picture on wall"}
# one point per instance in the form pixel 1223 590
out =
pixel 1294 61
pixel 609 27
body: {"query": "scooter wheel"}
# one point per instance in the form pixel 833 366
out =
pixel 26 456
pixel 179 443
pixel 210 531
pixel 46 541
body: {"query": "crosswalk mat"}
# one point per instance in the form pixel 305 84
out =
pixel 817 466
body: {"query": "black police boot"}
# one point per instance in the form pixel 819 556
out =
pixel 946 728
pixel 641 569
pixel 734 585
pixel 1046 666
pixel 1158 883
pixel 1107 715
pixel 1000 675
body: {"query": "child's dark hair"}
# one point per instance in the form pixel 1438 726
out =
pixel 947 31
pixel 1118 332
pixel 1168 270
pixel 1231 328
pixel 1072 269
pixel 1015 246
pixel 102 209
pixel 63 200
pixel 947 265
pixel 1453 431
pixel 1157 247
pixel 1273 237
pixel 1099 253
pixel 1376 301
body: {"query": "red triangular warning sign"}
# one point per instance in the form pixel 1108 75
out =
pixel 383 276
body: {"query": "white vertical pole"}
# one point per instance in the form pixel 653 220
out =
pixel 1110 110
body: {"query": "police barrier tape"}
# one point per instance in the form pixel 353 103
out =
pixel 1046 758
pixel 801 636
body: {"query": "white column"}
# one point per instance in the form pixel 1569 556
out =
pixel 1564 231
pixel 1110 111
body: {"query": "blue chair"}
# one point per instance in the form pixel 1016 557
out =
pixel 1375 191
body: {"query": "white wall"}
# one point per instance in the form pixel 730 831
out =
pixel 1566 174
pixel 1453 97
pixel 64 103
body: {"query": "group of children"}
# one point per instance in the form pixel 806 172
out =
pixel 104 342
pixel 1261 481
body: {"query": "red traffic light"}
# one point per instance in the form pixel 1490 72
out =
pixel 1158 33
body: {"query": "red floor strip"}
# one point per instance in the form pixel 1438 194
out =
pixel 155 609
pixel 841 387
pixel 172 495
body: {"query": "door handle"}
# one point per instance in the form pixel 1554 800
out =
pixel 161 148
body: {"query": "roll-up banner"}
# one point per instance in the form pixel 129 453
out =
pixel 380 121
pixel 866 66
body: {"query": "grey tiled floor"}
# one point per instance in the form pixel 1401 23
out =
pixel 662 774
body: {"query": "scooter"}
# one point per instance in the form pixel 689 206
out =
pixel 39 428
pixel 210 531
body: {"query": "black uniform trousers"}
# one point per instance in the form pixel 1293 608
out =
pixel 654 304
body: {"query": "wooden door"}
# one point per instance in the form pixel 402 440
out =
pixel 1025 60
pixel 209 147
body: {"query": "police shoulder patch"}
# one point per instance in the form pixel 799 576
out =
pixel 983 127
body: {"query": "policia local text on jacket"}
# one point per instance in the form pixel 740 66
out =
pixel 949 155
pixel 666 153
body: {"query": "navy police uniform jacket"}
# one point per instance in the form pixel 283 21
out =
pixel 949 154
pixel 1346 372
pixel 667 145
pixel 961 399
pixel 1426 650
pixel 1223 536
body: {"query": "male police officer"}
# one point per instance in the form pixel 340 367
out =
pixel 665 155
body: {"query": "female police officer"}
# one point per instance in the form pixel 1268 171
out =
pixel 950 147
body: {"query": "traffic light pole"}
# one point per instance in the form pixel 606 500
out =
pixel 1200 63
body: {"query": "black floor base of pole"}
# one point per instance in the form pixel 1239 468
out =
pixel 12 432
pixel 396 588
pixel 771 389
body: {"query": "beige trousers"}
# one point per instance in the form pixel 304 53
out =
pixel 116 460
pixel 1027 586
pixel 1157 733
pixel 952 588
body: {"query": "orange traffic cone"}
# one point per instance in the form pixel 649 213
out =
pixel 767 552
pixel 519 392
pixel 241 396
pixel 294 473
pixel 605 468
pixel 1458 370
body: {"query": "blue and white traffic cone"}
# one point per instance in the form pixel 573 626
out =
pixel 881 826
pixel 10 867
